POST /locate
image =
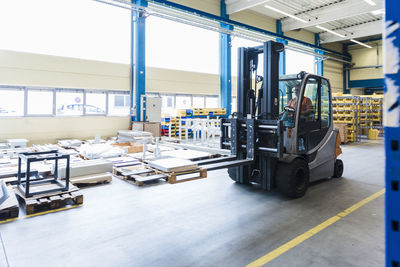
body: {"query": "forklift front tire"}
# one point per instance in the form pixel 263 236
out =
pixel 338 171
pixel 292 179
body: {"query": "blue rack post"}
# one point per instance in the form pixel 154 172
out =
pixel 225 64
pixel 392 132
pixel 138 62
pixel 319 63
pixel 282 55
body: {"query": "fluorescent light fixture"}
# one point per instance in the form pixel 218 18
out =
pixel 377 12
pixel 335 33
pixel 357 42
pixel 372 3
pixel 286 14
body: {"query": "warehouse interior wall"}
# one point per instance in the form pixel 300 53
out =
pixel 363 56
pixel 333 70
pixel 29 69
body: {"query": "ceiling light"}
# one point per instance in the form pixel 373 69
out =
pixel 357 42
pixel 286 14
pixel 372 3
pixel 325 29
pixel 377 12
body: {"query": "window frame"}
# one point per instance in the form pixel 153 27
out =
pixel 26 100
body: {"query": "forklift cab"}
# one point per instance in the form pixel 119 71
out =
pixel 305 111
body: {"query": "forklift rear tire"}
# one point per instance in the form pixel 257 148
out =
pixel 292 179
pixel 338 171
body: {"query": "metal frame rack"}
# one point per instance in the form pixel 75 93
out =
pixel 345 110
pixel 25 180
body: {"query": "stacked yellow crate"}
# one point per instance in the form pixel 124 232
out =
pixel 345 110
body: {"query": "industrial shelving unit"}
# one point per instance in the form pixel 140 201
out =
pixel 345 110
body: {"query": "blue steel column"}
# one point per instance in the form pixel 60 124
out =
pixel 282 55
pixel 138 63
pixel 319 63
pixel 225 64
pixel 392 132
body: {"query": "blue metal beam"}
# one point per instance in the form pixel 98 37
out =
pixel 234 23
pixel 138 60
pixel 282 55
pixel 392 134
pixel 369 83
pixel 319 63
pixel 225 58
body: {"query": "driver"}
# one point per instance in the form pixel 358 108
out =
pixel 306 104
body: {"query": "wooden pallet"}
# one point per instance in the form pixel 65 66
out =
pixel 9 208
pixel 138 175
pixel 99 178
pixel 179 177
pixel 49 201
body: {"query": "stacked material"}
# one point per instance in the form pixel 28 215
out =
pixel 187 154
pixel 87 171
pixel 132 136
pixel 123 161
pixel 49 147
pixel 70 143
pixel 98 151
pixel 173 165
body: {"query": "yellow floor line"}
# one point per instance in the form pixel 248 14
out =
pixel 364 144
pixel 40 213
pixel 303 237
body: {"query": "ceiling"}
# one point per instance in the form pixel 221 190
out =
pixel 334 20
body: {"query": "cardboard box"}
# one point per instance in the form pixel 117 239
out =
pixel 152 127
pixel 342 127
pixel 131 147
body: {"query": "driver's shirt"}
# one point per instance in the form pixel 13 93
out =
pixel 306 104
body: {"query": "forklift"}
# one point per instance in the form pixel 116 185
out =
pixel 282 134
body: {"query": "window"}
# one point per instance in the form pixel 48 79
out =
pixel 325 107
pixel 167 104
pixel 95 103
pixel 183 102
pixel 11 102
pixel 198 102
pixel 309 104
pixel 40 102
pixel 296 62
pixel 119 104
pixel 69 103
pixel 212 102
pixel 234 104
pixel 171 44
pixel 48 26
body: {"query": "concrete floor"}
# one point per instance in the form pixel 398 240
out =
pixel 209 222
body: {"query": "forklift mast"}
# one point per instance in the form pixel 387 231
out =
pixel 254 134
pixel 267 103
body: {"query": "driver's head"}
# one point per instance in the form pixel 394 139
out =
pixel 297 89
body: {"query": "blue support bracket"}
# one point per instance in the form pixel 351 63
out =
pixel 225 64
pixel 392 132
pixel 138 59
pixel 319 63
pixel 282 55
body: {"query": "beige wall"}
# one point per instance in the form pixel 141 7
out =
pixel 25 69
pixel 333 70
pixel 366 57
pixel 43 130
